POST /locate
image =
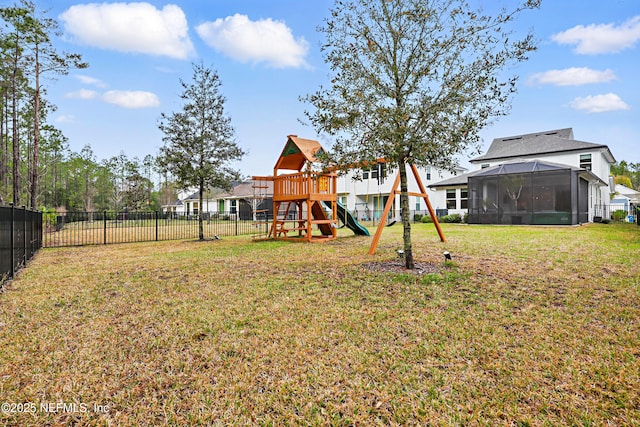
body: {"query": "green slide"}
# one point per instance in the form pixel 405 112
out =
pixel 350 221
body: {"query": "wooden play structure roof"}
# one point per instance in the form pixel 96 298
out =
pixel 297 152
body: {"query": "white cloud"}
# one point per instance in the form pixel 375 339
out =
pixel 599 103
pixel 131 99
pixel 82 94
pixel 265 41
pixel 601 38
pixel 65 118
pixel 130 27
pixel 90 80
pixel 572 77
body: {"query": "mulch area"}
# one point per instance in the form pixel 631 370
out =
pixel 398 267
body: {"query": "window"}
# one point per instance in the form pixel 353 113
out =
pixel 585 161
pixel 464 197
pixel 451 199
pixel 484 166
pixel 417 203
pixel 428 173
pixel 365 173
pixel 234 205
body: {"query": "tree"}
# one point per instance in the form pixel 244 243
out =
pixel 28 53
pixel 629 170
pixel 623 180
pixel 199 140
pixel 413 82
pixel 45 59
pixel 16 20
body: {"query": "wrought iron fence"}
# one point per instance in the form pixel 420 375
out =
pixel 616 213
pixel 108 227
pixel 20 239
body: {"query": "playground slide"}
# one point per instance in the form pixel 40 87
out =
pixel 350 221
pixel 319 214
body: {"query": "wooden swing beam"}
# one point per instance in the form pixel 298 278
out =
pixel 387 208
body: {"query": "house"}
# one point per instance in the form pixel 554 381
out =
pixel 537 178
pixel 241 200
pixel 365 191
pixel 625 199
pixel 188 203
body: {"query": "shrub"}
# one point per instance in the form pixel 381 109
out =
pixel 453 218
pixel 426 219
pixel 417 217
pixel 619 215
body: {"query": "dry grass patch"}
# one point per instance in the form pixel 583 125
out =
pixel 527 326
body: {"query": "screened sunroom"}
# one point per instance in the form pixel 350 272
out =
pixel 533 192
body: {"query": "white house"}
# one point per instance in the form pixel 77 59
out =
pixel 367 195
pixel 577 197
pixel 240 200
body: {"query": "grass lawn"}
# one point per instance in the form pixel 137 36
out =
pixel 528 326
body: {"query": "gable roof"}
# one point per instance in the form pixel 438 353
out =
pixel 455 181
pixel 627 192
pixel 534 144
pixel 297 152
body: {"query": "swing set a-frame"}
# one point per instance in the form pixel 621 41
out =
pixel 306 199
pixel 387 207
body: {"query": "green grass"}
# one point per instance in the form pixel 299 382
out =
pixel 526 326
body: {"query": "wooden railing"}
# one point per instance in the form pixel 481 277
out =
pixel 304 183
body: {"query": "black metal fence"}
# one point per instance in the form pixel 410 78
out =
pixel 107 227
pixel 20 239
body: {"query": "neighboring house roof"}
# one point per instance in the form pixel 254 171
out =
pixel 533 144
pixel 516 167
pixel 243 190
pixel 630 193
pixel 455 181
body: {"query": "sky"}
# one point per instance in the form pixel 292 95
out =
pixel 267 54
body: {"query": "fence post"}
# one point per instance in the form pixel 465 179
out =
pixel 104 220
pixel 156 226
pixel 13 243
pixel 24 235
pixel 237 215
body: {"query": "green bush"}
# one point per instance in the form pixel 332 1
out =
pixel 49 217
pixel 426 219
pixel 619 215
pixel 417 217
pixel 453 218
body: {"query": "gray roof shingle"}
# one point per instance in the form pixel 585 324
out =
pixel 532 144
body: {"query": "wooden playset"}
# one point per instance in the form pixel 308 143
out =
pixel 305 201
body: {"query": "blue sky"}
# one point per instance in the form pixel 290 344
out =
pixel 267 54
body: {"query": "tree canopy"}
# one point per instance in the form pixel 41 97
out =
pixel 199 140
pixel 414 82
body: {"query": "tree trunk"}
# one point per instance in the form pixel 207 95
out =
pixel 15 140
pixel 404 211
pixel 36 136
pixel 200 225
